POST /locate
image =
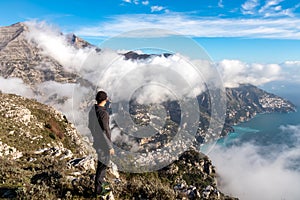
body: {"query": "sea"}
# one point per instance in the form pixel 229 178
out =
pixel 261 158
pixel 264 130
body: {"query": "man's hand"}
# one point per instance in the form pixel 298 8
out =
pixel 111 152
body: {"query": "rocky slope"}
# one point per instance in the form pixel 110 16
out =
pixel 192 176
pixel 39 150
pixel 42 156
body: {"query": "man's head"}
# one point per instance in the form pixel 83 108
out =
pixel 101 96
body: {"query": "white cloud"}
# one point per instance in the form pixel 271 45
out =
pixel 283 28
pixel 270 4
pixel 272 8
pixel 292 63
pixel 291 71
pixel 156 8
pixel 173 74
pixel 220 4
pixel 249 6
pixel 248 174
pixel 55 44
pixel 136 2
pixel 278 8
pixel 278 13
pixel 15 86
pixel 90 65
pixel 235 72
pixel 145 3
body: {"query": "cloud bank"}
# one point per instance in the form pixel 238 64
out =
pixel 235 72
pixel 90 64
pixel 54 44
pixel 247 174
pixel 15 86
pixel 291 71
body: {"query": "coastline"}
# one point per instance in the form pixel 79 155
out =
pixel 260 123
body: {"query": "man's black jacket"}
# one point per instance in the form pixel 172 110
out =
pixel 99 126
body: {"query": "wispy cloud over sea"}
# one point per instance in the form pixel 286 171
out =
pixel 250 171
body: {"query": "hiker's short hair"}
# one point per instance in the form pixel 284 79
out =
pixel 101 96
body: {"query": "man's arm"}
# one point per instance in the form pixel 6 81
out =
pixel 107 132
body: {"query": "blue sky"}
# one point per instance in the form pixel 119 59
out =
pixel 249 30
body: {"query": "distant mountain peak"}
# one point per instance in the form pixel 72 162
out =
pixel 10 33
pixel 77 41
pixel 131 55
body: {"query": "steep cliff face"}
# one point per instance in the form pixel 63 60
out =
pixel 22 58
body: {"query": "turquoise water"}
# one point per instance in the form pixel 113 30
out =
pixel 263 129
pixel 267 130
pixel 261 158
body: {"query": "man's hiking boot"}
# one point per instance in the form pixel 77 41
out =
pixel 105 188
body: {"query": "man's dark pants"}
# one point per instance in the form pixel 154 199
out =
pixel 102 165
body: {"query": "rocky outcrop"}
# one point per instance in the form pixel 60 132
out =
pixel 191 176
pixel 77 41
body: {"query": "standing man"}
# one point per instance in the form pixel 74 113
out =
pixel 99 126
